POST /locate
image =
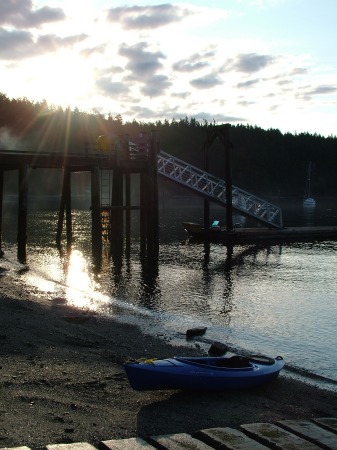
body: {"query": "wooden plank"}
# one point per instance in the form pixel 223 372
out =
pixel 15 448
pixel 228 438
pixel 312 432
pixel 179 441
pixel 126 444
pixel 275 437
pixel 73 446
pixel 329 423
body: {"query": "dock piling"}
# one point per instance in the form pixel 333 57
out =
pixel 22 213
pixel 65 205
pixel 1 204
pixel 96 228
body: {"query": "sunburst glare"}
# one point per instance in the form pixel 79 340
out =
pixel 81 289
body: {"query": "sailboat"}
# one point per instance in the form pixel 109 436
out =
pixel 308 201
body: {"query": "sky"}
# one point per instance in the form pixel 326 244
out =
pixel 265 63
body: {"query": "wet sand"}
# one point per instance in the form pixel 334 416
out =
pixel 62 380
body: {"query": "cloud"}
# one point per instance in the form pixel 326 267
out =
pixel 323 90
pixel 181 95
pixel 171 113
pixel 147 17
pixel 245 103
pixel 206 82
pixel 111 88
pixel 156 86
pixel 87 52
pixel 17 44
pixel 251 62
pixel 141 62
pixel 188 66
pixel 248 83
pixel 50 42
pixel 299 71
pixel 20 13
pixel 108 71
pixel 220 118
pixel 143 112
pixel 193 63
pixel 307 92
pixel 283 82
pixel 141 68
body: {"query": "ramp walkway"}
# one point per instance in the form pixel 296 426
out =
pixel 214 188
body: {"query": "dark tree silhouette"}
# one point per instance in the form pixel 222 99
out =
pixel 265 162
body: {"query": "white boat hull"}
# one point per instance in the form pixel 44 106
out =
pixel 309 202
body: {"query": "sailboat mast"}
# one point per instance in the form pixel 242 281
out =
pixel 308 201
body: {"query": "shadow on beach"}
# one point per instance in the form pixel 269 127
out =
pixel 62 380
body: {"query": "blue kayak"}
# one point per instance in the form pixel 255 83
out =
pixel 202 373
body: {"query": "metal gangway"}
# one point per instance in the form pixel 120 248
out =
pixel 215 189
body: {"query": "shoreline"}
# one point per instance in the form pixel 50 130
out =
pixel 62 381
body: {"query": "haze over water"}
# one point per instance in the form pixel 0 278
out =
pixel 273 300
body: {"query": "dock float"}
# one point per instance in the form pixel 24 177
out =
pixel 262 235
pixel 288 234
pixel 312 434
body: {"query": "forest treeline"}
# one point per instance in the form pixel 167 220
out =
pixel 264 162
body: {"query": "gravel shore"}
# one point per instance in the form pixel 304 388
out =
pixel 62 380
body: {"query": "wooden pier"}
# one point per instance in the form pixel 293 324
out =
pixel 111 218
pixel 122 162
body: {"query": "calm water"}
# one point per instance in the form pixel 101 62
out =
pixel 277 300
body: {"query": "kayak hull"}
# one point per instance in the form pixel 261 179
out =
pixel 204 374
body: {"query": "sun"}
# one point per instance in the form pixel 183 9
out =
pixel 63 79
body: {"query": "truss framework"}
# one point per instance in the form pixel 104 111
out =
pixel 214 188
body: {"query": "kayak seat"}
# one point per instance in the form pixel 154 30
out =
pixel 234 362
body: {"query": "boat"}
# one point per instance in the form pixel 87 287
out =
pixel 197 230
pixel 202 373
pixel 308 201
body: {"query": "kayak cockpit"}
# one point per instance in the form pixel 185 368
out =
pixel 233 362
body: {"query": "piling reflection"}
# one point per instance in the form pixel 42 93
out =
pixel 225 273
pixel 219 303
pixel 149 290
pixel 228 300
pixel 116 253
pixel 206 276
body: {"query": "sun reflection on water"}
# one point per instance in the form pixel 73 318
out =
pixel 82 290
pixel 69 278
